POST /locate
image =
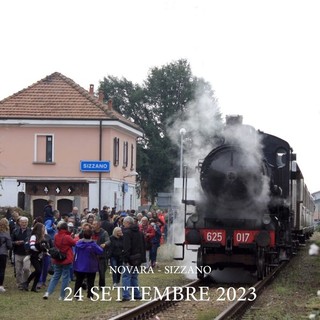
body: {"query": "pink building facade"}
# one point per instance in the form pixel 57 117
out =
pixel 60 142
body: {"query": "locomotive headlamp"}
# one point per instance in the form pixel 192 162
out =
pixel 194 217
pixel 266 219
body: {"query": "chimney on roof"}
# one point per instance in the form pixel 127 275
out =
pixel 91 89
pixel 110 104
pixel 101 96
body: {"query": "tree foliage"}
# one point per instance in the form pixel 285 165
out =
pixel 155 106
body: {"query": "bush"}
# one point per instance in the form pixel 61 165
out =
pixel 5 212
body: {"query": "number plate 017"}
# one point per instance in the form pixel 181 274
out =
pixel 243 236
pixel 209 235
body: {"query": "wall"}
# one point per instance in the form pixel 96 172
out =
pixel 71 145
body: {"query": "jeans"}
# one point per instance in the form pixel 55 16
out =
pixel 60 270
pixel 115 263
pixel 147 263
pixel 45 267
pixel 130 279
pixel 102 271
pixel 153 254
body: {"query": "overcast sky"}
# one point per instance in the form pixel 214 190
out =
pixel 262 58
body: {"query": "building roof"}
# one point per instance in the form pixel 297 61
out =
pixel 58 97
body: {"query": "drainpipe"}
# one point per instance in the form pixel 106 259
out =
pixel 100 158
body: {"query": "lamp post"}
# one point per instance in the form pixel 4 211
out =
pixel 182 133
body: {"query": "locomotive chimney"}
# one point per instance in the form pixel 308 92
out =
pixel 232 120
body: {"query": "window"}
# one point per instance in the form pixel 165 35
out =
pixel 44 148
pixel 132 151
pixel 48 148
pixel 125 154
pixel 281 158
pixel 116 151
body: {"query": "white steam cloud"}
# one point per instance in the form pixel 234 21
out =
pixel 202 122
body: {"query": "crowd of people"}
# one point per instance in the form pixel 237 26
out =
pixel 87 241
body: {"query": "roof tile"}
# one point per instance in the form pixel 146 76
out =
pixel 57 97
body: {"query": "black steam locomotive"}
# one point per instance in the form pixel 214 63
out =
pixel 254 207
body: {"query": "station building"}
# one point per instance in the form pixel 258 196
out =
pixel 59 141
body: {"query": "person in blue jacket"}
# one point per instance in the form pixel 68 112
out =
pixel 86 263
pixel 48 210
pixel 51 230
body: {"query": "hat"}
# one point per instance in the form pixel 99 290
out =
pixel 70 225
pixel 123 214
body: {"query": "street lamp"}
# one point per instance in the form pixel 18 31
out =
pixel 182 133
pixel 131 174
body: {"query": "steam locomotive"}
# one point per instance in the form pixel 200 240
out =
pixel 253 209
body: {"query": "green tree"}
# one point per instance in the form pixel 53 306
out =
pixel 155 106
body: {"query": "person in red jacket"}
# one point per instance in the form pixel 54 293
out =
pixel 149 233
pixel 64 242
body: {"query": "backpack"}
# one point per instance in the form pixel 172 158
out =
pixel 56 254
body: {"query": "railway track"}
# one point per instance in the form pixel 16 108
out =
pixel 238 308
pixel 235 310
pixel 149 309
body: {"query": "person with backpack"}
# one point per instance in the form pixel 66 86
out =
pixel 64 242
pixel 20 236
pixel 38 247
pixel 5 245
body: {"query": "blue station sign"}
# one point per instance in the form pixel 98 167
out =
pixel 95 166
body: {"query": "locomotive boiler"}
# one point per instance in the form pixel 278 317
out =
pixel 254 207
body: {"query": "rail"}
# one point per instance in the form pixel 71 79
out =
pixel 148 309
pixel 237 309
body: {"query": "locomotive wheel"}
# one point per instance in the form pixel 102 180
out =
pixel 268 262
pixel 200 275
